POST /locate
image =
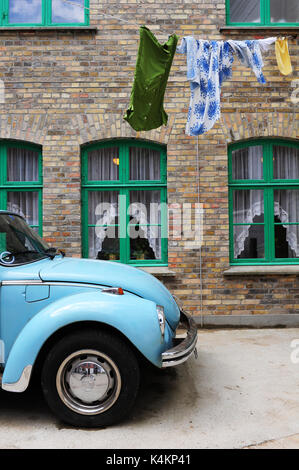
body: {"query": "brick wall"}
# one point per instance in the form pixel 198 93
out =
pixel 68 88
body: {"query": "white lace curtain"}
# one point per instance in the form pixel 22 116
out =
pixel 249 204
pixel 24 203
pixel 144 165
pixel 22 166
pixel 102 210
pixel 145 209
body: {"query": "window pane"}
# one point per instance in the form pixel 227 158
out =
pixel 25 11
pixel 245 11
pixel 103 164
pixel 249 242
pixel 145 220
pixel 247 163
pixel 24 203
pixel 144 164
pixel 287 241
pixel 103 243
pixel 285 162
pixel 145 207
pixel 22 165
pixel 102 207
pixel 103 212
pixel 284 11
pixel 286 205
pixel 248 206
pixel 145 242
pixel 286 214
pixel 64 12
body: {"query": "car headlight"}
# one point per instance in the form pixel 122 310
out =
pixel 161 318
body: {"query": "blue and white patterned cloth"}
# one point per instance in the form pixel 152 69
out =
pixel 209 64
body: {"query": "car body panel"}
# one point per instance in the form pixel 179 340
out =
pixel 111 273
pixel 120 312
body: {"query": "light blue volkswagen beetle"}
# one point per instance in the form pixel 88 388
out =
pixel 84 324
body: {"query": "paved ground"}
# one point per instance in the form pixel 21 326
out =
pixel 243 391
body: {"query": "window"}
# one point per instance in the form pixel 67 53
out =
pixel 44 12
pixel 264 202
pixel 124 202
pixel 21 182
pixel 262 12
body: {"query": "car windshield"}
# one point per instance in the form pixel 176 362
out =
pixel 19 243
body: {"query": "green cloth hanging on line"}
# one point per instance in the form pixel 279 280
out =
pixel 153 65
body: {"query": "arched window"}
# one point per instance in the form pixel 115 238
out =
pixel 21 181
pixel 124 202
pixel 264 202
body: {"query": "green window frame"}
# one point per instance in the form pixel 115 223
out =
pixel 264 14
pixel 27 186
pixel 46 14
pixel 268 185
pixel 124 186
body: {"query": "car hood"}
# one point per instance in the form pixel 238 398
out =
pixel 116 275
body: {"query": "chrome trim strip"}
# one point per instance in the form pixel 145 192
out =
pixel 21 283
pixel 51 283
pixel 180 353
pixel 22 384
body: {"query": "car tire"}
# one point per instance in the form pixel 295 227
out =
pixel 90 378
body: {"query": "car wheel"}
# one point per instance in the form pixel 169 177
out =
pixel 90 379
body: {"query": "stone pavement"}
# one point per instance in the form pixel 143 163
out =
pixel 241 392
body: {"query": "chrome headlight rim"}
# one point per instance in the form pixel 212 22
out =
pixel 161 318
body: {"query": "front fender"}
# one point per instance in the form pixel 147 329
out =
pixel 135 317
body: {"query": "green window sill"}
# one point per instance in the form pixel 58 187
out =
pixel 262 270
pixel 258 29
pixel 47 28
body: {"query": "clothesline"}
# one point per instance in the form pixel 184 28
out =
pixel 205 95
pixel 162 48
pixel 206 72
pixel 209 64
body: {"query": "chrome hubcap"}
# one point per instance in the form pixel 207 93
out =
pixel 88 382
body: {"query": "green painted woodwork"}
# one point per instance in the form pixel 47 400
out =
pixel 20 186
pixel 268 184
pixel 46 16
pixel 123 186
pixel 265 17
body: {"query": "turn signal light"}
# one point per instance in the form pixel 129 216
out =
pixel 114 290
